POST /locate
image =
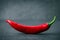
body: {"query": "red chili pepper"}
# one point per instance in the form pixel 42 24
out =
pixel 31 29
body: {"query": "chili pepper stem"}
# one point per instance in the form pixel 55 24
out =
pixel 50 23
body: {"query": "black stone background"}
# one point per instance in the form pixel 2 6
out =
pixel 29 12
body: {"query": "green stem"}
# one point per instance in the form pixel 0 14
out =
pixel 50 23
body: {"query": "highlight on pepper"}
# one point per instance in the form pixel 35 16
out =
pixel 30 29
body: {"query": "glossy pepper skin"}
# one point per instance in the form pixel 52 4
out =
pixel 30 29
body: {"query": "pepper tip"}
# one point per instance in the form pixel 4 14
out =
pixel 7 20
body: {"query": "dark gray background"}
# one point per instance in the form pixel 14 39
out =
pixel 29 12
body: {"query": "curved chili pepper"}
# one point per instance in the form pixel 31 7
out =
pixel 31 29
